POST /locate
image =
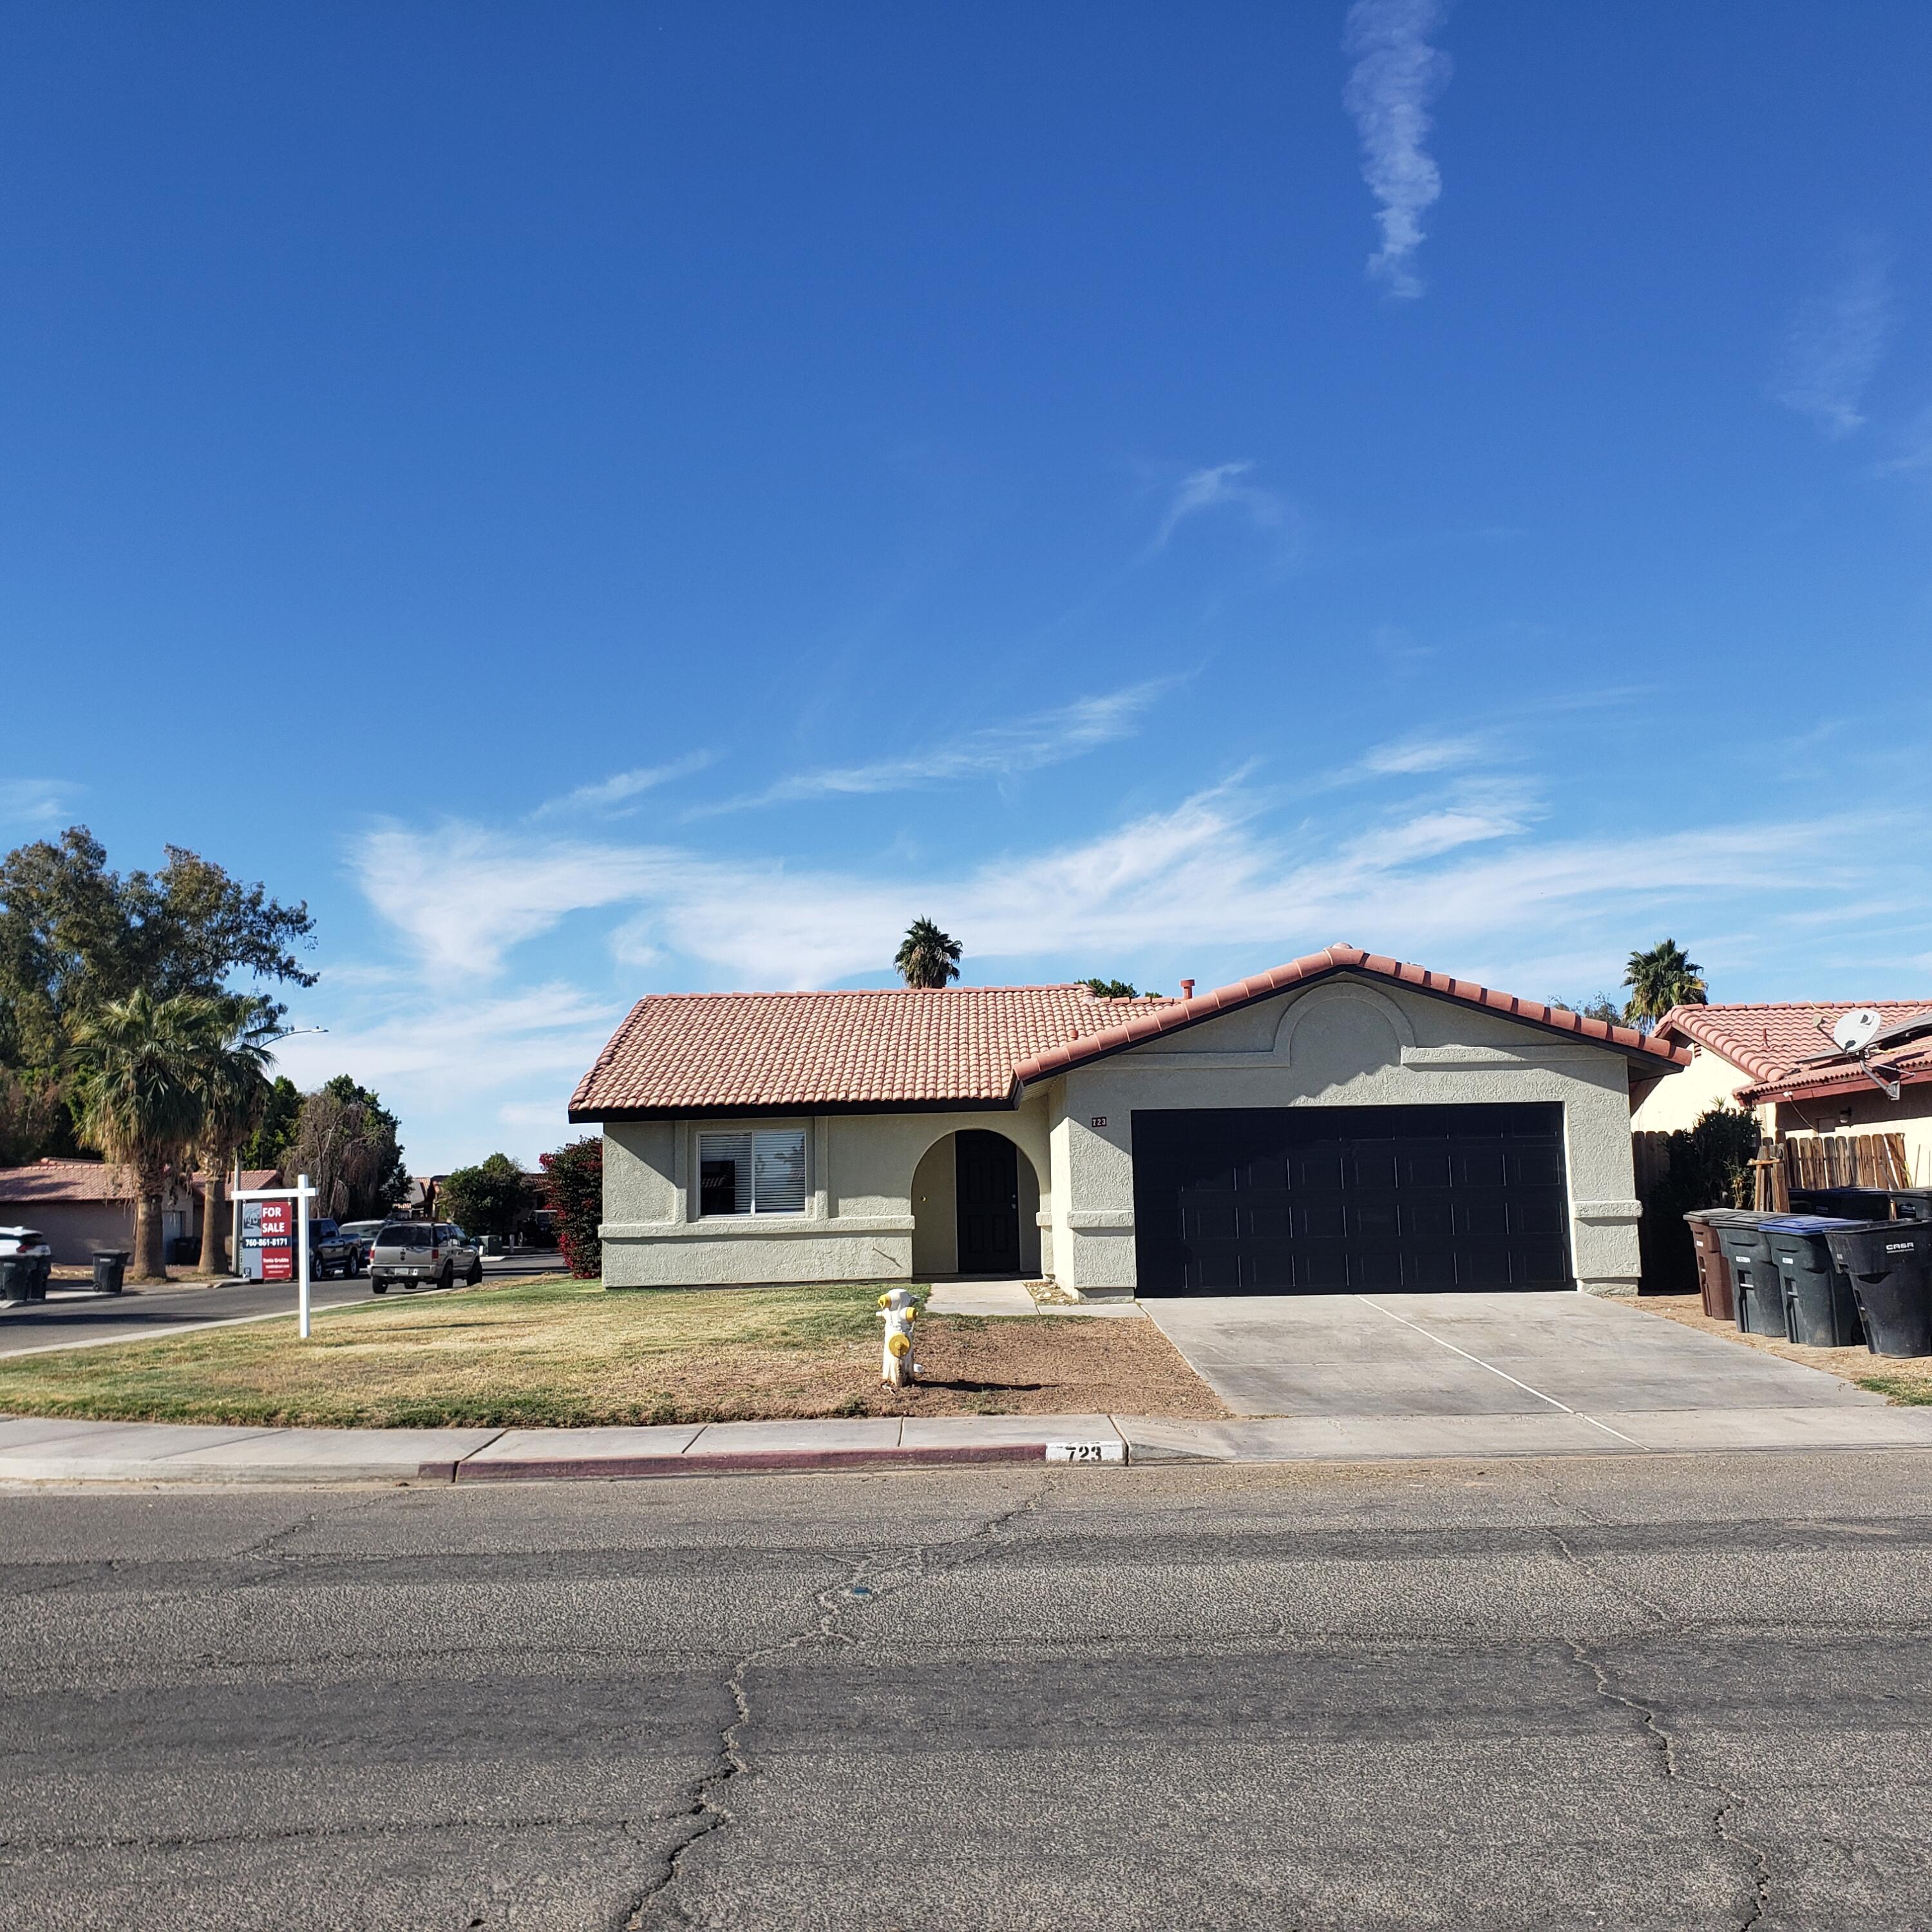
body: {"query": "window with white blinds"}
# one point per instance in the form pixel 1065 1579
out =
pixel 760 1173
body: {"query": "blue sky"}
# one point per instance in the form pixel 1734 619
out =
pixel 602 499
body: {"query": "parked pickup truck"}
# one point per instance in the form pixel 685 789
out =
pixel 331 1251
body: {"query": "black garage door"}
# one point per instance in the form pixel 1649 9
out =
pixel 1327 1200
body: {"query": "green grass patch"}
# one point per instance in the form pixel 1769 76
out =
pixel 1907 1394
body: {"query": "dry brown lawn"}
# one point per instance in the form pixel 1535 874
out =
pixel 554 1352
pixel 1908 1381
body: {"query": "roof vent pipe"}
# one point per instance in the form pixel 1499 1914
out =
pixel 1187 989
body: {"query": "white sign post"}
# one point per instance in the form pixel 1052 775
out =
pixel 301 1194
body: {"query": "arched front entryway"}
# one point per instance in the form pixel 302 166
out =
pixel 976 1208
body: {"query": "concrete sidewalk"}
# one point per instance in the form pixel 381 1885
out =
pixel 42 1450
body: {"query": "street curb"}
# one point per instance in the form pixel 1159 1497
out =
pixel 748 1461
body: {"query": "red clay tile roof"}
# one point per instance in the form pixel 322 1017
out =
pixel 885 1046
pixel 52 1180
pixel 693 1053
pixel 1332 959
pixel 1768 1042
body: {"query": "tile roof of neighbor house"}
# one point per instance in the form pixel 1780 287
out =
pixel 897 1047
pixel 1770 1040
pixel 54 1179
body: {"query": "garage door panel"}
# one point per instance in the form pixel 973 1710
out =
pixel 1326 1200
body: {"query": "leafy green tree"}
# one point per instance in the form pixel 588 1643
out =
pixel 141 1067
pixel 266 1146
pixel 33 1120
pixel 77 937
pixel 1110 989
pixel 576 1173
pixel 927 957
pixel 235 1092
pixel 1664 977
pixel 345 1142
pixel 493 1198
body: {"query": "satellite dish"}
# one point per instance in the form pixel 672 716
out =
pixel 1854 1031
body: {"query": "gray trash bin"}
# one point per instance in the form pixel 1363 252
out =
pixel 110 1267
pixel 1820 1310
pixel 23 1277
pixel 1760 1293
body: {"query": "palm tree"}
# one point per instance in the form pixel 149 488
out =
pixel 927 957
pixel 1664 977
pixel 139 1070
pixel 234 1086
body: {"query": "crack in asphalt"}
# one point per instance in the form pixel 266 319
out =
pixel 878 1575
pixel 1661 1740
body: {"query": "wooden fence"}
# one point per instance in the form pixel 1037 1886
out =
pixel 1823 1160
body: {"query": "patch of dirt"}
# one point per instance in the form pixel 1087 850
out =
pixel 968 1365
pixel 1906 1380
pixel 1013 1366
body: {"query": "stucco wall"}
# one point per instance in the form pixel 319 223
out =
pixel 935 1208
pixel 1871 1113
pixel 1343 1042
pixel 858 1223
pixel 1683 1098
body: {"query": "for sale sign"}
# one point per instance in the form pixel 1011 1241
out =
pixel 268 1241
pixel 277 1241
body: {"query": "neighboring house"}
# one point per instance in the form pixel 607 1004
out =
pixel 82 1206
pixel 1345 1122
pixel 1754 1058
pixel 418 1203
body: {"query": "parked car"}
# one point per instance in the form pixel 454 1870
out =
pixel 363 1234
pixel 25 1260
pixel 331 1251
pixel 434 1253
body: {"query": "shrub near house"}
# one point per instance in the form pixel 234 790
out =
pixel 577 1203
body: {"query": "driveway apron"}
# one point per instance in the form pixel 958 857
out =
pixel 1472 1355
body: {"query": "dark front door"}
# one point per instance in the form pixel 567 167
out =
pixel 1331 1200
pixel 988 1176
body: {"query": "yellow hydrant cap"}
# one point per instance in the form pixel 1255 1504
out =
pixel 899 1345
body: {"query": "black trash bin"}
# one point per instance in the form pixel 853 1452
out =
pixel 110 1265
pixel 1890 1265
pixel 1820 1310
pixel 1760 1293
pixel 1847 1204
pixel 1908 1203
pixel 23 1277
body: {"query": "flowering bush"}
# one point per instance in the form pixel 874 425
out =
pixel 577 1203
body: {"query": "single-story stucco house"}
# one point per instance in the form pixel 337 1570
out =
pixel 1344 1122
pixel 1776 1060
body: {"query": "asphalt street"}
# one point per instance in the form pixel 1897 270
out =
pixel 1647 1693
pixel 140 1314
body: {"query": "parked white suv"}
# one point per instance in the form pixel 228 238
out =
pixel 430 1254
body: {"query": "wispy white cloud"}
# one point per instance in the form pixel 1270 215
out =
pixel 1397 74
pixel 1227 486
pixel 1409 756
pixel 610 796
pixel 1833 345
pixel 36 802
pixel 1447 875
pixel 996 751
pixel 1465 880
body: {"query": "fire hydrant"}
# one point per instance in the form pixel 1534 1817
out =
pixel 898 1311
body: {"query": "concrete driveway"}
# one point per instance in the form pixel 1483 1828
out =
pixel 1457 1355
